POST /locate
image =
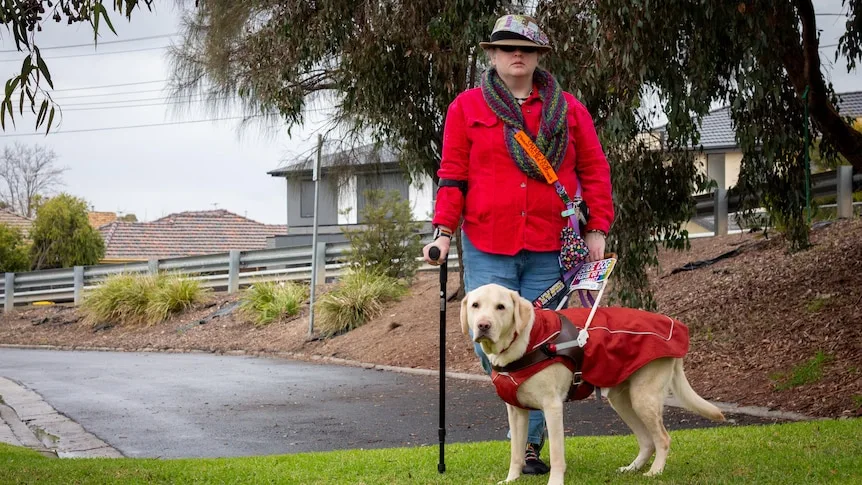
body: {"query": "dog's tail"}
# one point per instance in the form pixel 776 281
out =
pixel 691 400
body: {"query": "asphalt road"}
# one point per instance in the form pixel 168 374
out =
pixel 203 405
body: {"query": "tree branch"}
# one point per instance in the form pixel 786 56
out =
pixel 802 63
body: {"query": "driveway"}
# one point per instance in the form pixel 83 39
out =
pixel 204 405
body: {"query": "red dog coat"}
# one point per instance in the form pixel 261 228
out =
pixel 621 341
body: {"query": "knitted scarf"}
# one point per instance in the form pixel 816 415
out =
pixel 553 130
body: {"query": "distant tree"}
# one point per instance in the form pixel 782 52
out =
pixel 27 174
pixel 128 218
pixel 13 250
pixel 62 235
pixel 390 241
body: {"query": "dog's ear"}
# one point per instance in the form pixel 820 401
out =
pixel 523 312
pixel 464 326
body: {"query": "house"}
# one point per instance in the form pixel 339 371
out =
pixel 185 234
pixel 721 158
pixel 12 219
pixel 345 176
pixel 99 219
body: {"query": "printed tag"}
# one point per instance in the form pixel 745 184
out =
pixel 537 156
pixel 593 275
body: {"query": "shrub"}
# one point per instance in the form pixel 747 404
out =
pixel 391 242
pixel 127 299
pixel 13 250
pixel 62 235
pixel 267 302
pixel 358 298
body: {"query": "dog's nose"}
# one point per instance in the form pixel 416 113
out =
pixel 484 326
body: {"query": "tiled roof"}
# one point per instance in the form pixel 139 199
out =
pixel 185 234
pixel 363 155
pixel 717 130
pixel 99 219
pixel 850 104
pixel 14 220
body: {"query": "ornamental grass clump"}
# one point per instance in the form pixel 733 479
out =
pixel 174 294
pixel 267 302
pixel 359 297
pixel 131 299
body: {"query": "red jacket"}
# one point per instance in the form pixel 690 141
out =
pixel 621 341
pixel 506 211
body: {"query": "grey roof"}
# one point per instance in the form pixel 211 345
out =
pixel 359 156
pixel 850 104
pixel 716 129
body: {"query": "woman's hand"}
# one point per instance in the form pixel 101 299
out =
pixel 596 244
pixel 441 243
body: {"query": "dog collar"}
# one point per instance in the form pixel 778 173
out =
pixel 510 344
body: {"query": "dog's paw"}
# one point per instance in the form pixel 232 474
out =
pixel 653 473
pixel 556 481
pixel 511 478
pixel 627 469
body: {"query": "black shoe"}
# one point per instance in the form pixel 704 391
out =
pixel 534 465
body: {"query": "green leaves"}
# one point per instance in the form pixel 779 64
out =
pixel 99 12
pixel 62 236
pixel 23 19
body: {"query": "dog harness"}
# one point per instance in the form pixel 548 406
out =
pixel 621 341
pixel 548 327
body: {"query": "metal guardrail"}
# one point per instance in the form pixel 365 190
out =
pixel 841 183
pixel 222 271
pixel 229 271
pixel 822 184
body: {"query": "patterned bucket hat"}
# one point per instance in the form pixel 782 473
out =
pixel 517 30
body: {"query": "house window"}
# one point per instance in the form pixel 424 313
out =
pixel 306 198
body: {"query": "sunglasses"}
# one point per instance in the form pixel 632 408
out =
pixel 513 48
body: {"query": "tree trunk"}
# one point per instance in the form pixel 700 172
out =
pixel 802 63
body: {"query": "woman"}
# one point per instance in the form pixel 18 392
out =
pixel 512 217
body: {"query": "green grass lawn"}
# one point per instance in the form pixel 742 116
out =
pixel 798 453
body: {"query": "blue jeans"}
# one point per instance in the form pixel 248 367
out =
pixel 529 273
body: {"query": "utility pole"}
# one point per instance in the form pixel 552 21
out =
pixel 315 177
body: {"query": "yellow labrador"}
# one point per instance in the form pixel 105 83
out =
pixel 501 321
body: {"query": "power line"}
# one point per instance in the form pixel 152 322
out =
pixel 119 41
pixel 118 101
pixel 166 103
pixel 169 103
pixel 109 86
pixel 112 128
pixel 53 58
pixel 99 95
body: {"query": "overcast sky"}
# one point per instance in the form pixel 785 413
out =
pixel 158 170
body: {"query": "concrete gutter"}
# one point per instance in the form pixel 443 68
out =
pixel 29 421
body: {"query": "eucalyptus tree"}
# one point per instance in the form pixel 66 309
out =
pixel 393 66
pixel 760 58
pixel 23 19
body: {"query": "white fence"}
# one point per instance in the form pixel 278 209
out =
pixel 223 271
